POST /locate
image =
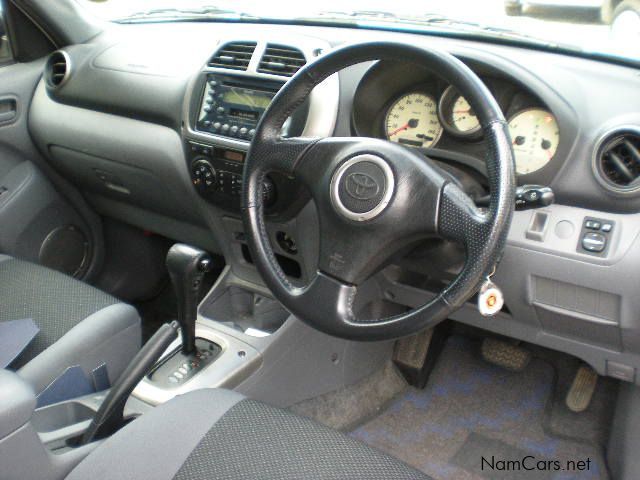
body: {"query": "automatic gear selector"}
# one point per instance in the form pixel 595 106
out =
pixel 187 266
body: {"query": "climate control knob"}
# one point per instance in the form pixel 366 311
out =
pixel 203 175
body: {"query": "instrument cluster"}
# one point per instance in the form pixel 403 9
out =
pixel 423 112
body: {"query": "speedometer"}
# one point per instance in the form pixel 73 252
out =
pixel 535 136
pixel 413 120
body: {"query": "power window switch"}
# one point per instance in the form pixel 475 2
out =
pixel 594 242
pixel 606 227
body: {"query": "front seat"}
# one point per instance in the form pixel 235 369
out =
pixel 79 325
pixel 219 434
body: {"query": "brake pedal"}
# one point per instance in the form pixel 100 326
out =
pixel 582 388
pixel 506 355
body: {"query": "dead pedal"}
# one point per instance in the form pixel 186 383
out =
pixel 582 388
pixel 506 355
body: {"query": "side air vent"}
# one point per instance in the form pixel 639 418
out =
pixel 617 161
pixel 57 69
pixel 233 55
pixel 281 60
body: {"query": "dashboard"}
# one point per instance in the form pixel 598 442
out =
pixel 158 120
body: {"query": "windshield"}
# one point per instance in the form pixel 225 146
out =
pixel 609 28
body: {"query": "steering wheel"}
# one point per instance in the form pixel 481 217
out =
pixel 374 197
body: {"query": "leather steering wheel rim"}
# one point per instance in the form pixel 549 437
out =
pixel 422 202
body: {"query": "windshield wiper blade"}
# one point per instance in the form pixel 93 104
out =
pixel 209 11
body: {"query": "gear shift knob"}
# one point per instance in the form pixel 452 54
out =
pixel 187 266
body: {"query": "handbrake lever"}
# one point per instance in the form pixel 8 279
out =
pixel 110 417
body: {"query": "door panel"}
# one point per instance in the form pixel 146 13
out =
pixel 37 222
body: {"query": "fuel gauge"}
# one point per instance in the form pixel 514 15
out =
pixel 535 137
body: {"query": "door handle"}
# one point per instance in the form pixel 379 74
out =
pixel 8 110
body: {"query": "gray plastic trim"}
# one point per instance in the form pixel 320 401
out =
pixel 323 99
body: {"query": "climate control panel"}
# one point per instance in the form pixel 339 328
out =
pixel 216 173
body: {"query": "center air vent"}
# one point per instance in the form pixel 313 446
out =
pixel 57 69
pixel 617 161
pixel 233 55
pixel 281 60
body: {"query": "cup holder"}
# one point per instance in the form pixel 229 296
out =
pixel 61 415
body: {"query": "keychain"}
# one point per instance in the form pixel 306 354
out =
pixel 490 298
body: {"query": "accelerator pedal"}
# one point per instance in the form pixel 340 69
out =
pixel 582 388
pixel 504 354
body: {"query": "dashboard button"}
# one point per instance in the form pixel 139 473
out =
pixel 213 83
pixel 594 242
pixel 234 130
pixel 220 109
pixel 592 225
pixel 216 126
pixel 243 132
pixel 225 127
pixel 252 132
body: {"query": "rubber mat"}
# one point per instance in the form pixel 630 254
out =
pixel 475 420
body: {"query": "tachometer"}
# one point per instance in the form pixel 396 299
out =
pixel 413 120
pixel 535 136
pixel 457 116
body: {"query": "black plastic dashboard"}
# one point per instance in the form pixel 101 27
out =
pixel 130 138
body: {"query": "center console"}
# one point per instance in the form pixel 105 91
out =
pixel 225 102
pixel 248 341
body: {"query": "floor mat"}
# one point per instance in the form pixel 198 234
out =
pixel 475 420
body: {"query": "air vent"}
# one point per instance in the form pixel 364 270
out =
pixel 617 161
pixel 233 55
pixel 281 60
pixel 57 69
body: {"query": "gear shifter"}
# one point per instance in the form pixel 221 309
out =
pixel 187 266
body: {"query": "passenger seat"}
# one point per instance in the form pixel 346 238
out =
pixel 79 326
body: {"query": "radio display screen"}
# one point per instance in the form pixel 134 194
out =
pixel 245 114
pixel 232 109
pixel 249 98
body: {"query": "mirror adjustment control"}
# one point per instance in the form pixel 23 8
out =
pixel 594 242
pixel 595 236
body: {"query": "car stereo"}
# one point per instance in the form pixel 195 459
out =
pixel 232 106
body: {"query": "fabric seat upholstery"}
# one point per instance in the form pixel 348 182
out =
pixel 218 434
pixel 79 324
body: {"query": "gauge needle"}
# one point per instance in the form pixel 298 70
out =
pixel 413 123
pixel 398 130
